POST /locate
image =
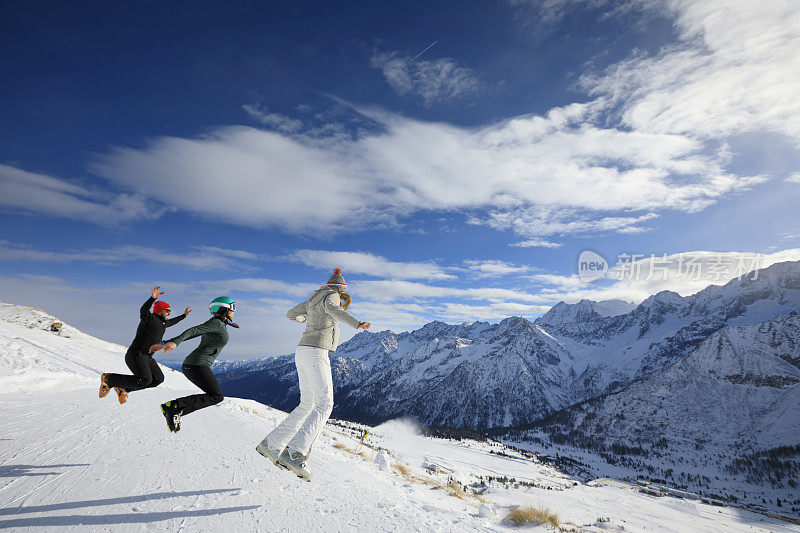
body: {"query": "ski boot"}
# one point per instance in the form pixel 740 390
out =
pixel 104 388
pixel 172 415
pixel 296 462
pixel 270 453
pixel 122 394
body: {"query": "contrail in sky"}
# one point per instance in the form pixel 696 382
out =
pixel 419 54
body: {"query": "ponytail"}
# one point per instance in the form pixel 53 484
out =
pixel 344 300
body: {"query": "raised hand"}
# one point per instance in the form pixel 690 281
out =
pixel 364 325
pixel 187 311
pixel 155 292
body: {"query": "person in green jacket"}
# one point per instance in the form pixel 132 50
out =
pixel 196 367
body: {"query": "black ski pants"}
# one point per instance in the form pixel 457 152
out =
pixel 201 376
pixel 146 373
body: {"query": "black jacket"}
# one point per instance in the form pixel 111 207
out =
pixel 151 328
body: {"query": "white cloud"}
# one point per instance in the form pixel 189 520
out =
pixel 392 290
pixel 536 243
pixel 794 178
pixel 458 312
pixel 490 268
pixel 789 235
pixel 733 70
pixel 648 142
pixel 261 285
pixel 636 278
pixel 432 81
pixel 48 196
pixel 531 173
pixel 396 316
pixel 202 258
pixel 541 17
pixel 276 121
pixel 537 221
pixel 562 282
pixel 370 264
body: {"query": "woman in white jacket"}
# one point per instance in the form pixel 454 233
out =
pixel 289 444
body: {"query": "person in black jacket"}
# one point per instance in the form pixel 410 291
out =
pixel 139 359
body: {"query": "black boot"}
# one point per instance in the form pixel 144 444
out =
pixel 172 415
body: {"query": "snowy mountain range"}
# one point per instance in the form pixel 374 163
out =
pixel 739 385
pixel 583 311
pixel 516 372
pixel 725 416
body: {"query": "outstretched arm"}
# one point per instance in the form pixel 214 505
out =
pixel 173 321
pixel 298 312
pixel 196 331
pixel 332 307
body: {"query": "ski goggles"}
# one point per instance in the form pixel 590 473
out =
pixel 231 306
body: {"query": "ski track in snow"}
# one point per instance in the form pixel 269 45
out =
pixel 74 462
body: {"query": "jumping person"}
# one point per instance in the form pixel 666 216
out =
pixel 213 338
pixel 289 444
pixel 146 372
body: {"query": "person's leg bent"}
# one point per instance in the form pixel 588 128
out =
pixel 279 437
pixel 139 364
pixel 321 382
pixel 156 373
pixel 201 376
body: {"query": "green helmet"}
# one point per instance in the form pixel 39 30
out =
pixel 222 302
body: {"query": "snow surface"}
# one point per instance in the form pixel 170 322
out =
pixel 74 462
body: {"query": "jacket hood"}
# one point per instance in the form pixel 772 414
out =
pixel 320 294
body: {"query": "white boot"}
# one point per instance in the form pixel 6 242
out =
pixel 270 453
pixel 296 462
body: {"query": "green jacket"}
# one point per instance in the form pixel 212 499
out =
pixel 213 338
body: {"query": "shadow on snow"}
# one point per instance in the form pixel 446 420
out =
pixel 29 470
pixel 120 518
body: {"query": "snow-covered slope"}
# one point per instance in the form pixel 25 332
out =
pixel 484 375
pixel 75 462
pixel 44 362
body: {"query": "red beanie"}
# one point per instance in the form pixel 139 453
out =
pixel 160 306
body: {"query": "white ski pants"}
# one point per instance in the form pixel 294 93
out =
pixel 301 428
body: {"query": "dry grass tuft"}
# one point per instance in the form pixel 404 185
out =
pixel 455 490
pixel 533 515
pixel 344 447
pixel 452 487
pixel 402 469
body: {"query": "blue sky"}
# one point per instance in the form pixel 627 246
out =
pixel 248 149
